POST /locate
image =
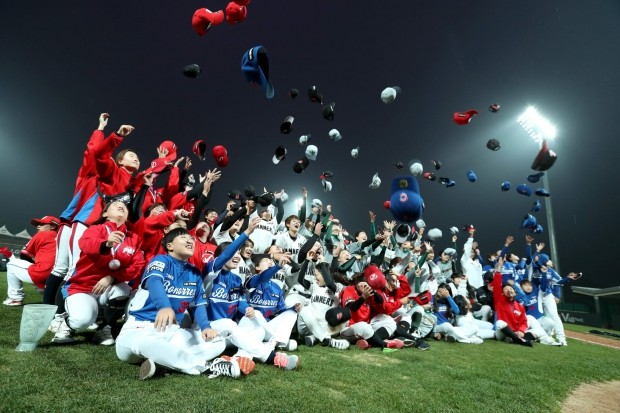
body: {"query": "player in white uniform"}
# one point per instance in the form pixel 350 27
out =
pixel 325 294
pixel 291 241
pixel 152 335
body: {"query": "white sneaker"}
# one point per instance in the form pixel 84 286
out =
pixel 548 341
pixel 93 327
pixel 475 340
pixel 56 321
pixel 290 346
pixel 147 370
pixel 221 367
pixel 64 334
pixel 339 344
pixel 104 336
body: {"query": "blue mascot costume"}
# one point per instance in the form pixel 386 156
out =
pixel 406 203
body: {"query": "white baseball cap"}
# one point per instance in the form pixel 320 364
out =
pixel 355 152
pixel 335 135
pixel 311 152
pixel 389 94
pixel 304 139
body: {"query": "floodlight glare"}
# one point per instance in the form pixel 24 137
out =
pixel 536 125
pixel 299 202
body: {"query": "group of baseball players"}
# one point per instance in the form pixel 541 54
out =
pixel 189 281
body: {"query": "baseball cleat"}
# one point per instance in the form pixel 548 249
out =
pixel 285 361
pixel 246 364
pixel 147 370
pixel 362 344
pixel 394 343
pixel 222 367
pixel 13 303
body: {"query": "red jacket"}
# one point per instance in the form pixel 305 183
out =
pixel 512 312
pixel 203 252
pixel 153 234
pixel 389 306
pixel 112 178
pixel 94 260
pixel 404 290
pixel 42 250
pixel 362 314
pixel 161 195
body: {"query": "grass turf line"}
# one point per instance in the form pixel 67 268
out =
pixel 449 377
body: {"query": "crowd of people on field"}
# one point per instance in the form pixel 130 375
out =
pixel 154 269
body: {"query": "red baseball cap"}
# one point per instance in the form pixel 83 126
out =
pixel 235 13
pixel 423 298
pixel 46 220
pixel 199 149
pixel 159 165
pixel 242 2
pixel 220 155
pixel 203 19
pixel 171 148
pixel 374 277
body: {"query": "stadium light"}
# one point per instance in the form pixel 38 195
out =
pixel 539 128
pixel 299 202
pixel 536 125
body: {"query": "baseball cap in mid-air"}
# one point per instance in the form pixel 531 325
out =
pixel 335 135
pixel 494 107
pixel 355 152
pixel 463 118
pixel 545 158
pixel 471 176
pixel 402 233
pixel 505 186
pixel 434 234
pixel 46 220
pixel 171 148
pixel 374 277
pixel 535 177
pixel 415 168
pixel 316 203
pixel 199 149
pixel 311 152
pixel 220 154
pixel 314 95
pixel 536 207
pixel 255 68
pixel 493 144
pixel 279 154
pixel 293 93
pixel 389 94
pixel 327 186
pixel 235 12
pixel 301 165
pixel 287 125
pixel 524 190
pixel 204 19
pixel 328 111
pixel 191 71
pixel 542 192
pixel 304 139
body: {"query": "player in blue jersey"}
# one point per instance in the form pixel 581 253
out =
pixel 227 302
pixel 151 334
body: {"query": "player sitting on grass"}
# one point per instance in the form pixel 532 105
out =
pixel 151 334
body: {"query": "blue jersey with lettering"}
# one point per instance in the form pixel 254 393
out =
pixel 182 282
pixel 225 288
pixel 266 295
pixel 529 301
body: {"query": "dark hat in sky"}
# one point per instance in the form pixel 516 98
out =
pixel 538 230
pixel 463 118
pixel 545 158
pixel 220 154
pixel 399 165
pixel 529 221
pixel 471 176
pixel 450 183
pixel 443 180
pixel 192 71
pixel 203 19
pixel 279 154
pixel 535 177
pixel 265 199
pixel 255 68
pixel 327 174
pixel 437 164
pixel 293 93
pixel 494 107
pixel 235 195
pixel 301 165
pixel 542 192
pixel 199 149
pixel 523 189
pixel 328 111
pixel 536 206
pixel 314 95
pixel 505 186
pixel 287 125
pixel 250 192
pixel 493 144
pixel 235 13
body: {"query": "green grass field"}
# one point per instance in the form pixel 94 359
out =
pixel 492 377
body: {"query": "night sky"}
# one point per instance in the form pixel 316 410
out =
pixel 63 63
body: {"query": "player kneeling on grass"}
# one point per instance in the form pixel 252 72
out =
pixel 151 334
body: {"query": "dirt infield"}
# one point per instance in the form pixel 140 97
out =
pixel 594 339
pixel 594 397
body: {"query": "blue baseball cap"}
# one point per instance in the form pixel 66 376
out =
pixel 255 68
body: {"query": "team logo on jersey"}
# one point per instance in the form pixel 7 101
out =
pixel 156 266
pixel 190 284
pixel 129 250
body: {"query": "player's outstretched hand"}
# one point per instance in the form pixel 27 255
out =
pixel 252 225
pixel 125 130
pixel 103 120
pixel 165 317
